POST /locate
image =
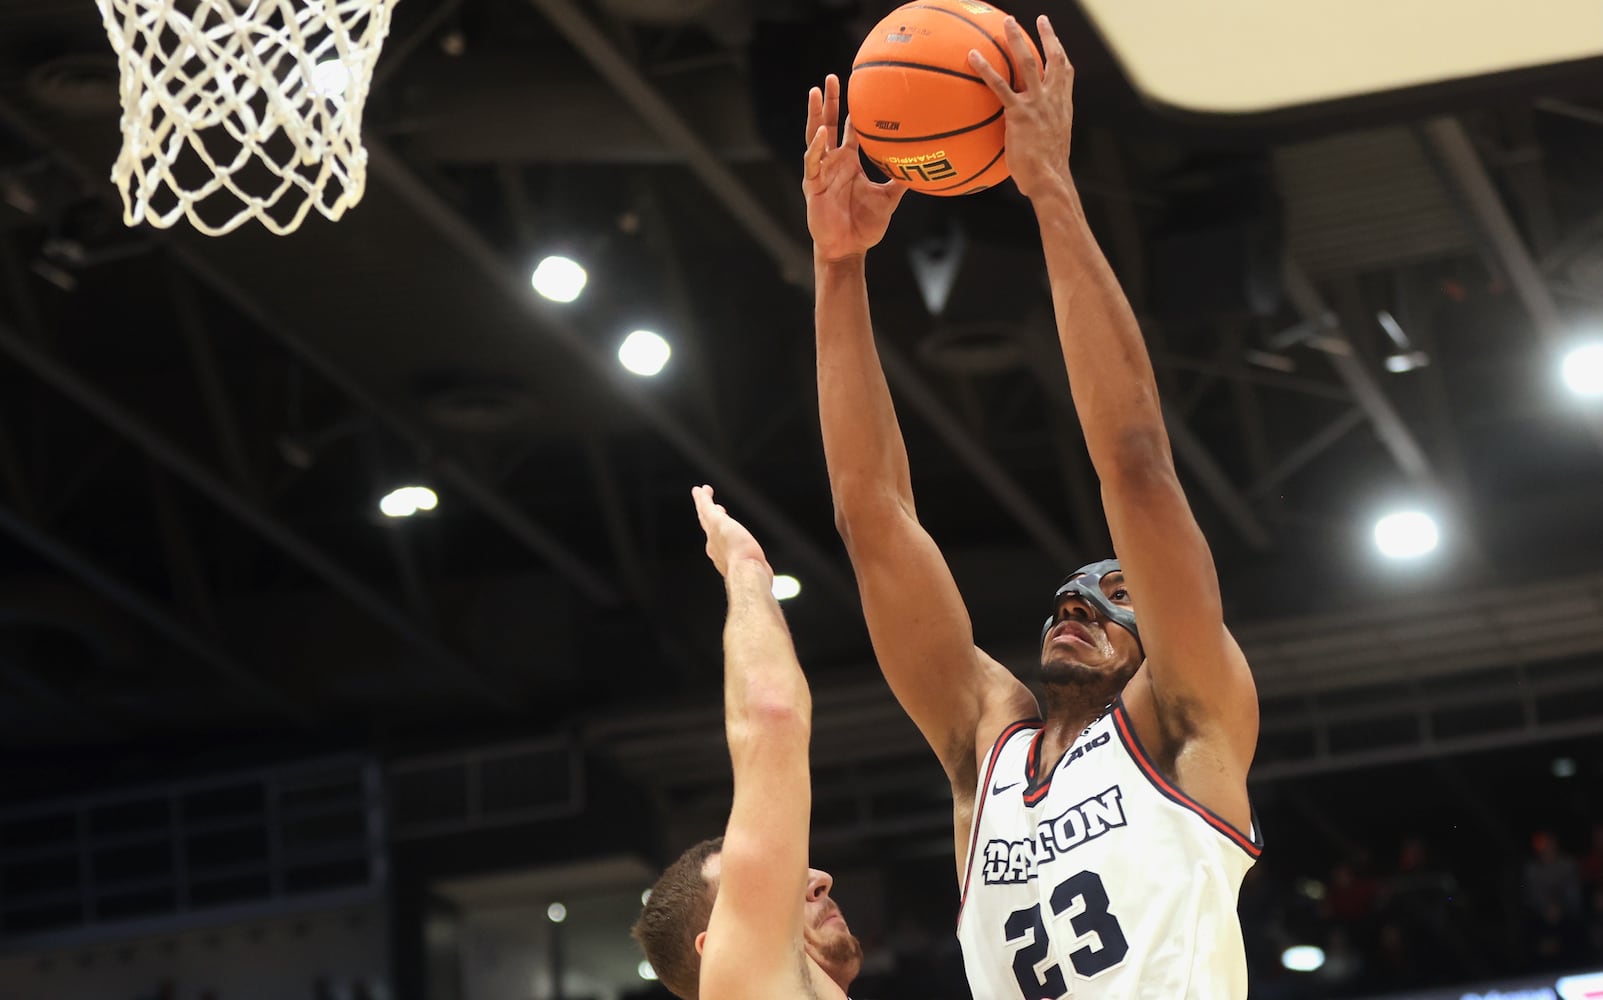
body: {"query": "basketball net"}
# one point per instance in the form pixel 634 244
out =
pixel 242 109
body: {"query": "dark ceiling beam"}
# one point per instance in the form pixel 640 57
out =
pixel 752 503
pixel 1194 455
pixel 186 571
pixel 668 633
pixel 795 262
pixel 398 50
pixel 1455 156
pixel 1187 447
pixel 1316 444
pixel 1256 376
pixel 450 667
pixel 1398 439
pixel 100 580
pixel 214 394
pixel 538 540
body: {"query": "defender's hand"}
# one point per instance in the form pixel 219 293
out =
pixel 728 541
pixel 846 212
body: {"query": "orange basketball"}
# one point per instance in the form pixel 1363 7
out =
pixel 923 114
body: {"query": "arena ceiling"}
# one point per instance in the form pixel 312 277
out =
pixel 194 432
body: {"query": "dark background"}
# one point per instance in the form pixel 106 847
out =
pixel 194 434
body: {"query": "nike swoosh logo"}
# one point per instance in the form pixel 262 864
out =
pixel 998 790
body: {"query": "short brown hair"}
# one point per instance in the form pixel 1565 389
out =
pixel 678 909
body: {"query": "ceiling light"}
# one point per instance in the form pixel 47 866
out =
pixel 644 353
pixel 645 896
pixel 407 500
pixel 786 587
pixel 1406 534
pixel 1406 361
pixel 556 913
pixel 1563 767
pixel 1583 370
pixel 646 971
pixel 330 78
pixel 1303 957
pixel 559 279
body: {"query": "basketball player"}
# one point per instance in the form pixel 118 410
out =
pixel 742 916
pixel 1099 848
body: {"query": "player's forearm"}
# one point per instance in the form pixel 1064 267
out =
pixel 1110 372
pixel 765 694
pixel 863 447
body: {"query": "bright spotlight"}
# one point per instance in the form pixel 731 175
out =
pixel 644 353
pixel 330 78
pixel 1583 370
pixel 1406 534
pixel 559 279
pixel 556 913
pixel 786 587
pixel 646 971
pixel 407 500
pixel 1303 957
pixel 1563 767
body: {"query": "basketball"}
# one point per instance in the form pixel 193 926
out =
pixel 923 115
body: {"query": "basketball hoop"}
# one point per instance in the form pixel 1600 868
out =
pixel 242 109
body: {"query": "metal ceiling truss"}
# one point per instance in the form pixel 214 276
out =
pixel 755 504
pixel 1455 157
pixel 450 665
pixel 796 264
pixel 465 483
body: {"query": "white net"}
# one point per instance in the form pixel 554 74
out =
pixel 243 109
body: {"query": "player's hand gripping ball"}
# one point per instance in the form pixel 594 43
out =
pixel 922 113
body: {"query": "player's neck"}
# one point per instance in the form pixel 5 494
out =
pixel 1070 711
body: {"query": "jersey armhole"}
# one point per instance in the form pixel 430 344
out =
pixel 1250 842
pixel 1012 730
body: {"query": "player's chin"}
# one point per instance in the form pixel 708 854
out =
pixel 1061 670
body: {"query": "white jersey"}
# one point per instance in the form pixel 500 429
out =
pixel 1098 879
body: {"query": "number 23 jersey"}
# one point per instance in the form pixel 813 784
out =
pixel 1098 879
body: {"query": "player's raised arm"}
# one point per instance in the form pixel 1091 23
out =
pixel 753 943
pixel 1198 675
pixel 916 618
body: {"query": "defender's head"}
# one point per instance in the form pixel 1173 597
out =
pixel 672 929
pixel 1090 639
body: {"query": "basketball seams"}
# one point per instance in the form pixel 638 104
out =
pixel 924 87
pixel 1000 48
pixel 927 67
pixel 931 137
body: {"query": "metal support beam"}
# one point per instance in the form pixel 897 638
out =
pixel 752 502
pixel 544 544
pixel 45 695
pixel 1195 457
pixel 1187 447
pixel 795 261
pixel 1366 391
pixel 537 539
pixel 219 411
pixel 157 447
pixel 1455 154
pixel 190 588
pixel 1316 445
pixel 18 294
pixel 98 579
pixel 12 475
pixel 669 634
